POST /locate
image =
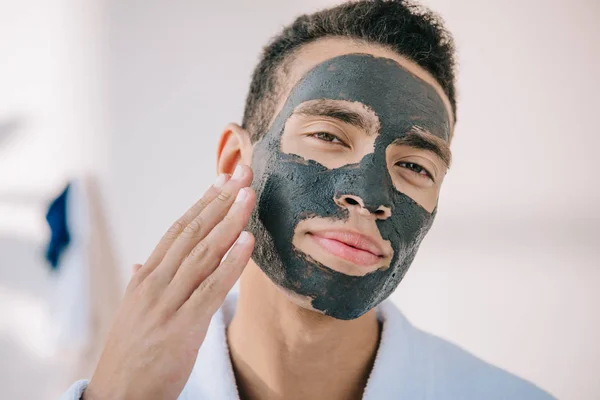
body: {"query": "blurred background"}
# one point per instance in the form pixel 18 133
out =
pixel 126 100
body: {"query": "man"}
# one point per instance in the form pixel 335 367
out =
pixel 347 131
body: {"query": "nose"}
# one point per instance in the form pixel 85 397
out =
pixel 351 202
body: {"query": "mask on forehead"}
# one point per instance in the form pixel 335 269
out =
pixel 291 189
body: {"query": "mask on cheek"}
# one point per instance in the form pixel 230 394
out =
pixel 291 189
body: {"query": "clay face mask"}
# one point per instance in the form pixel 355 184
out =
pixel 291 189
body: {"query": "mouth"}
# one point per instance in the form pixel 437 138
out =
pixel 350 246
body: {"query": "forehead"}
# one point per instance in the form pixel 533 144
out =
pixel 399 98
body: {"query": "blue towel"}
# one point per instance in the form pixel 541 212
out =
pixel 57 220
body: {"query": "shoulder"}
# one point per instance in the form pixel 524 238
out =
pixel 445 370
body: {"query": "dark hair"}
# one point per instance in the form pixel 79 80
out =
pixel 400 25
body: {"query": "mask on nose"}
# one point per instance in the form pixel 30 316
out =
pixel 291 189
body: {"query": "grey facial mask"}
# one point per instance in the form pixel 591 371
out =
pixel 290 189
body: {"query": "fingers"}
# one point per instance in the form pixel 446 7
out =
pixel 210 294
pixel 202 225
pixel 176 229
pixel 205 257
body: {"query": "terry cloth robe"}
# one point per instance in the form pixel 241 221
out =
pixel 410 364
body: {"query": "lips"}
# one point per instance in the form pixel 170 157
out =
pixel 356 248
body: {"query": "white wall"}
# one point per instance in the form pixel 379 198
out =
pixel 51 129
pixel 510 269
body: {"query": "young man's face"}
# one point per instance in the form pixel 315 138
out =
pixel 348 176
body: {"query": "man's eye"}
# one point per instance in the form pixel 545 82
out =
pixel 327 137
pixel 415 168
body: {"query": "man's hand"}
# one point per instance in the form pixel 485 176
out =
pixel 169 302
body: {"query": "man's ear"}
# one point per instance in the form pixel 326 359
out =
pixel 234 148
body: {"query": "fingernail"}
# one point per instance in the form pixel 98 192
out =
pixel 244 237
pixel 241 196
pixel 238 173
pixel 220 181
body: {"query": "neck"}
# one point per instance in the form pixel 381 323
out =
pixel 281 350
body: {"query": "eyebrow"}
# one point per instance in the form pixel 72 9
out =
pixel 339 112
pixel 419 138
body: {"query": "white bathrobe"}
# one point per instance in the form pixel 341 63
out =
pixel 410 364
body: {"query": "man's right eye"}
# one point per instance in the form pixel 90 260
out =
pixel 327 137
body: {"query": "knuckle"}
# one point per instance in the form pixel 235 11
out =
pixel 162 313
pixel 176 229
pixel 224 195
pixel 199 251
pixel 201 205
pixel 210 284
pixel 194 227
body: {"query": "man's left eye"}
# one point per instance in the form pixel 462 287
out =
pixel 415 168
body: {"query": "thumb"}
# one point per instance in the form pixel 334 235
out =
pixel 135 268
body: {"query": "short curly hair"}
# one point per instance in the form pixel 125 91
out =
pixel 400 25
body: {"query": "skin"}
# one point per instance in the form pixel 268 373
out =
pixel 367 211
pixel 276 339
